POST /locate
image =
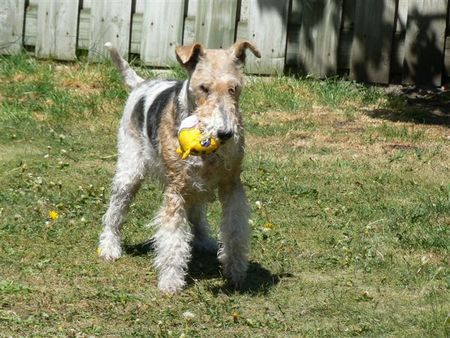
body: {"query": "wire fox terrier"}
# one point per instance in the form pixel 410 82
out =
pixel 147 143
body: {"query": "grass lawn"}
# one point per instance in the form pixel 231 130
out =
pixel 349 189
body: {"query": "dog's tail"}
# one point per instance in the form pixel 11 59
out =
pixel 131 79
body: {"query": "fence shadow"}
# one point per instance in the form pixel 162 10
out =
pixel 422 68
pixel 367 61
pixel 372 45
pixel 430 106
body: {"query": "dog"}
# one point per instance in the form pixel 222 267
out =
pixel 147 143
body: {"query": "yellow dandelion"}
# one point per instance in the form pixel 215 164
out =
pixel 53 215
pixel 269 225
pixel 99 251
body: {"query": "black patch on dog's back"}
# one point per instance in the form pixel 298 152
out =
pixel 154 112
pixel 137 116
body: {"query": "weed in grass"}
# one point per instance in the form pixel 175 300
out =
pixel 11 287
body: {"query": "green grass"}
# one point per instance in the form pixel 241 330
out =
pixel 350 215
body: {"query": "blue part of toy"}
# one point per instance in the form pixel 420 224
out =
pixel 205 143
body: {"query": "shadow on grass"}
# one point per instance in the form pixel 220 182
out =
pixel 430 106
pixel 259 281
pixel 206 266
pixel 140 249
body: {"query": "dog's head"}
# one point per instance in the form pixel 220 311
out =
pixel 215 85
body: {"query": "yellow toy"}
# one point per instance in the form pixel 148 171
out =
pixel 193 141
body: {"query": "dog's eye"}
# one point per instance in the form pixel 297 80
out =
pixel 232 90
pixel 204 89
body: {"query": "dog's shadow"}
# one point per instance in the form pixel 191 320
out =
pixel 206 266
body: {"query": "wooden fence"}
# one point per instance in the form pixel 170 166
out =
pixel 377 41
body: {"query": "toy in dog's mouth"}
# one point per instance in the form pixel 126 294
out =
pixel 193 140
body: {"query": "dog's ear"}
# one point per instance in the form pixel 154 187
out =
pixel 189 55
pixel 239 48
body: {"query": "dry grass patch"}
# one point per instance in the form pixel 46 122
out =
pixel 82 79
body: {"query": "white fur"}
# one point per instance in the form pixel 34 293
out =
pixel 130 171
pixel 172 246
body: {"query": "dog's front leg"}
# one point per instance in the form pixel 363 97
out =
pixel 129 175
pixel 234 231
pixel 172 243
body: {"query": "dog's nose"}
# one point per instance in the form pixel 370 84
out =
pixel 224 135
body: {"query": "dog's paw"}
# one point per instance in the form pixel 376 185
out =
pixel 109 248
pixel 234 270
pixel 170 284
pixel 235 277
pixel 109 254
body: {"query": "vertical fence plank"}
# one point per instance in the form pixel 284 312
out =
pixel 267 28
pixel 110 21
pixel 12 13
pixel 84 25
pixel 398 44
pixel 446 71
pixel 346 35
pixel 215 23
pixel 319 35
pixel 57 29
pixel 136 27
pixel 425 41
pixel 140 6
pixel 242 25
pixel 162 31
pixel 189 23
pixel 372 42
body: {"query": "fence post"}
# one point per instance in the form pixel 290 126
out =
pixel 424 42
pixel 162 31
pixel 267 28
pixel 110 21
pixel 370 59
pixel 215 23
pixel 319 37
pixel 57 29
pixel 12 13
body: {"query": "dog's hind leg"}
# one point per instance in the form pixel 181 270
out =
pixel 201 229
pixel 234 231
pixel 129 174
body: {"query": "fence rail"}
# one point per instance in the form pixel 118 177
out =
pixel 376 41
